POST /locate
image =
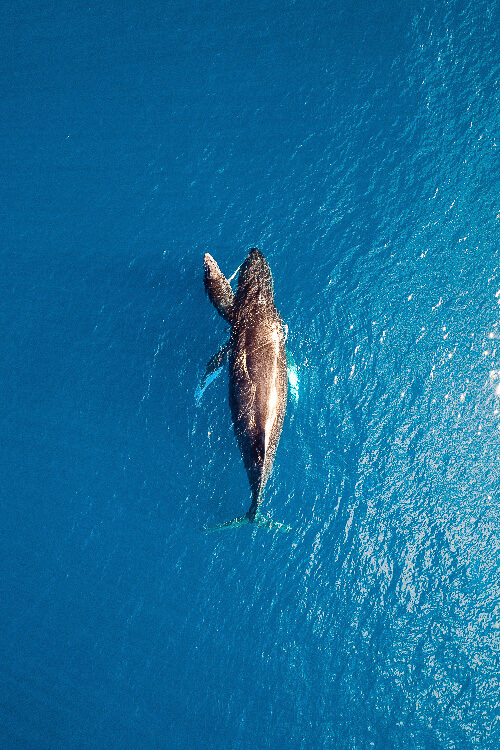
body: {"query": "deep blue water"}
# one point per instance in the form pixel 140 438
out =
pixel 358 145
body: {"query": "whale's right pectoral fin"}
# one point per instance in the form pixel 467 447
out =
pixel 212 370
pixel 218 288
pixel 293 376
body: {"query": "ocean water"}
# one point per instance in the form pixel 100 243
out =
pixel 357 144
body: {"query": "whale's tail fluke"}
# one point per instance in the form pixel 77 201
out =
pixel 259 520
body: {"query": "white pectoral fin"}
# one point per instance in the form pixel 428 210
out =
pixel 293 380
pixel 212 371
pixel 204 383
pixel 234 274
pixel 293 377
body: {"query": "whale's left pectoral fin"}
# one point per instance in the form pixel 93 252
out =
pixel 218 289
pixel 212 370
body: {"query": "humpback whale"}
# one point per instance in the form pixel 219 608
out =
pixel 257 362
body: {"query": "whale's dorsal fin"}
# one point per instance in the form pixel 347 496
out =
pixel 218 289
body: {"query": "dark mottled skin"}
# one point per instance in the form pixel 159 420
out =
pixel 218 289
pixel 257 365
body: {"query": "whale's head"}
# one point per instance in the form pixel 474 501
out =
pixel 255 281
